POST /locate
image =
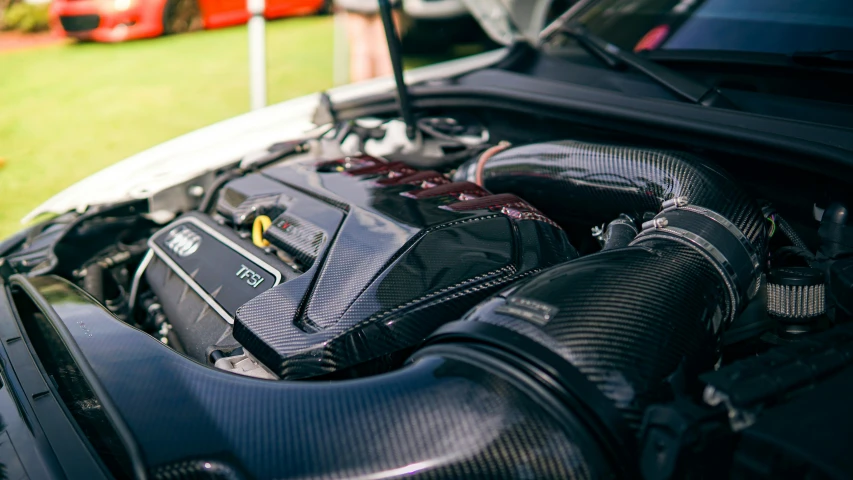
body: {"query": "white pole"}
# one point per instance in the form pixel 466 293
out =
pixel 340 67
pixel 257 55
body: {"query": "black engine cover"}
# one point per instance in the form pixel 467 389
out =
pixel 389 255
pixel 202 272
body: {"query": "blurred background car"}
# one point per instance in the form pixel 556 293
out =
pixel 119 20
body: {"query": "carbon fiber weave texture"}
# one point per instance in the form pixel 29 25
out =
pixel 597 182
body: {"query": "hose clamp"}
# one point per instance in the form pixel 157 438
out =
pixel 727 271
pixel 716 238
pixel 682 203
pixel 624 221
pixel 731 227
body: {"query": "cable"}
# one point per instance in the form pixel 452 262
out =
pixel 137 280
pixel 489 153
pixel 789 232
pixel 276 152
pixel 218 182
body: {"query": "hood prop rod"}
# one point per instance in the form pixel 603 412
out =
pixel 395 51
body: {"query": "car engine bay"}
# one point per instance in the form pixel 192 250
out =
pixel 619 307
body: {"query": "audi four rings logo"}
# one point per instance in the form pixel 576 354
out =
pixel 183 241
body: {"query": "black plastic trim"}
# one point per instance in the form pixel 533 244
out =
pixel 14 241
pixel 106 403
pixel 654 118
pixel 9 334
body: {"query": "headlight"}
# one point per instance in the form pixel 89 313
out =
pixel 122 5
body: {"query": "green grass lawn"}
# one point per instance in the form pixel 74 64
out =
pixel 68 111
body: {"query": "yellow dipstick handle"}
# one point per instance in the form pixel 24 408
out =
pixel 262 223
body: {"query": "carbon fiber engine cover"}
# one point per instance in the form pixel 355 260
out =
pixel 401 262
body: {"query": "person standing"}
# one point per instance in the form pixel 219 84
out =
pixel 368 47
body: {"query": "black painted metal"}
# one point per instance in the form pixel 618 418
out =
pixel 395 51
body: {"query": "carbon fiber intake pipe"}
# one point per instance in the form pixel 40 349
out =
pixel 450 414
pixel 626 318
pixel 692 201
pixel 460 410
pixel 632 315
pixel 596 182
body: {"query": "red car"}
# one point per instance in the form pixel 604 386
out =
pixel 118 20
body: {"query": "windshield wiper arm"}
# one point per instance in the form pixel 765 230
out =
pixel 614 57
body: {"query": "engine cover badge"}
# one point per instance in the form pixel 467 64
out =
pixel 224 274
pixel 183 241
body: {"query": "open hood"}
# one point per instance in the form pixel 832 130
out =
pixel 508 21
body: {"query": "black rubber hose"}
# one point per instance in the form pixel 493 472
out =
pixel 275 152
pixel 93 282
pixel 791 234
pixel 210 195
pixel 619 233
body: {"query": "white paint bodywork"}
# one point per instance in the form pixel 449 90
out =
pixel 186 157
pixel 434 8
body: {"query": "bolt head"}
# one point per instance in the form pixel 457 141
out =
pixel 195 191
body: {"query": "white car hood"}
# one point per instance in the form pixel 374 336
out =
pixel 188 156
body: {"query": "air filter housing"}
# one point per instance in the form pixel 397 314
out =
pixel 796 293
